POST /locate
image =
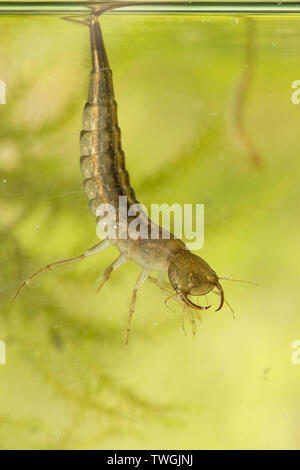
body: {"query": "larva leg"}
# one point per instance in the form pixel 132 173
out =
pixel 143 276
pixel 167 301
pixel 182 320
pixel 161 279
pixel 165 288
pixel 107 272
pixel 92 251
pixel 192 320
pixel 198 316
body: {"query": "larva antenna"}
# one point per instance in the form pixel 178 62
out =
pixel 226 278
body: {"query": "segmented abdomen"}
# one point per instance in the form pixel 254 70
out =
pixel 103 164
pixel 102 160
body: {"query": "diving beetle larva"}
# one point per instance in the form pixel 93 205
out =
pixel 106 181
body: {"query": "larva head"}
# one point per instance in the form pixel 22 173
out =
pixel 191 275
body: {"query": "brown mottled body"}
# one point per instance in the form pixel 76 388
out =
pixel 103 161
pixel 106 180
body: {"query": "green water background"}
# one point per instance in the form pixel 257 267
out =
pixel 68 382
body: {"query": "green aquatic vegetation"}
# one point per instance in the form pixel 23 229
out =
pixel 68 382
